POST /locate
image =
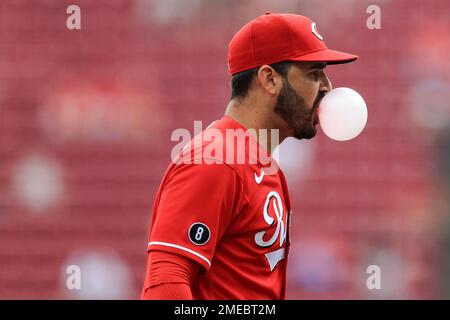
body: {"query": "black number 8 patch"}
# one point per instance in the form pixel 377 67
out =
pixel 199 233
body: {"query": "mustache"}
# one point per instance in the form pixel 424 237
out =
pixel 319 97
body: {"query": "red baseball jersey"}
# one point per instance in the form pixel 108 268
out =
pixel 230 217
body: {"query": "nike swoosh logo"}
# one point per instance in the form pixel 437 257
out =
pixel 260 178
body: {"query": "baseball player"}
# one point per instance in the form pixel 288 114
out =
pixel 220 228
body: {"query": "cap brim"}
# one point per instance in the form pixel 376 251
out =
pixel 327 55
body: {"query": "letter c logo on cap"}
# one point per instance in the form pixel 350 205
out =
pixel 315 31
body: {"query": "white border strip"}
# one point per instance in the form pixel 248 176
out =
pixel 181 248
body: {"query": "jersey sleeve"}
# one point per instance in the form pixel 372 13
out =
pixel 195 207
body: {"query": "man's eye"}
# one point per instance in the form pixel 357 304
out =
pixel 315 74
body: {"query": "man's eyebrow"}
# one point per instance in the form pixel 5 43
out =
pixel 318 65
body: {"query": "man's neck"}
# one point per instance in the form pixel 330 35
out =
pixel 248 115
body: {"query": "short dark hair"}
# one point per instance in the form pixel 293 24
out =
pixel 240 82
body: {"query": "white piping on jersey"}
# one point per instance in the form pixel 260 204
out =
pixel 179 247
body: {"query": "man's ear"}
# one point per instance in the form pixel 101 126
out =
pixel 269 79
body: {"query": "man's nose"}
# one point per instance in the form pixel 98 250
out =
pixel 325 84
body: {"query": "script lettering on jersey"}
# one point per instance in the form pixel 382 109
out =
pixel 273 200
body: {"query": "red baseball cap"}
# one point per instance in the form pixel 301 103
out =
pixel 275 37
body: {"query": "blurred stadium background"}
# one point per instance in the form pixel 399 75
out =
pixel 85 123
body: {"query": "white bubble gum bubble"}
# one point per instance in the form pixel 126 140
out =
pixel 342 114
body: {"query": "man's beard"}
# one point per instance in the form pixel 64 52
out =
pixel 294 110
